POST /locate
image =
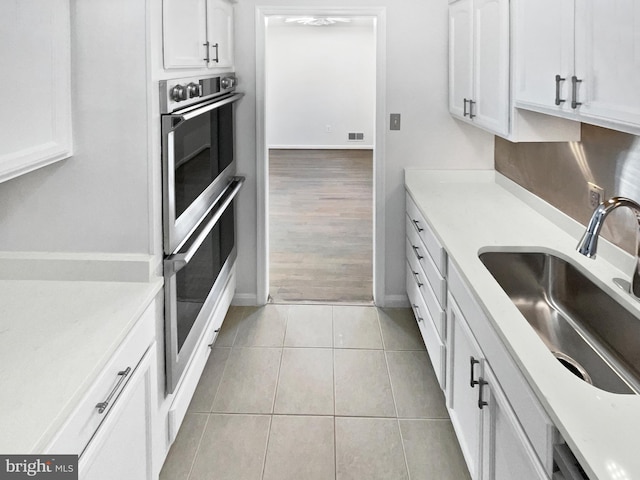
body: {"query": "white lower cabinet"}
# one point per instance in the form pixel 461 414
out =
pixel 491 434
pixel 465 373
pixel 112 427
pixel 506 453
pixel 121 447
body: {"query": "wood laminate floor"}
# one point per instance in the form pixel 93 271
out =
pixel 321 226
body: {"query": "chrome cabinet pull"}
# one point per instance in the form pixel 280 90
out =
pixel 207 58
pixel 471 104
pixel 417 275
pixel 464 112
pixel 415 250
pixel 418 317
pixel 481 383
pixel 102 406
pixel 417 224
pixel 558 99
pixel 215 45
pixel 574 92
pixel 472 381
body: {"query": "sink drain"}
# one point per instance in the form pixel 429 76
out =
pixel 573 366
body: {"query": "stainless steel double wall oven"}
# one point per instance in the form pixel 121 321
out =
pixel 199 188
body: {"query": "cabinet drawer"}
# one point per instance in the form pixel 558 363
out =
pixel 426 292
pixel 435 347
pixel 85 420
pixel 422 228
pixel 416 248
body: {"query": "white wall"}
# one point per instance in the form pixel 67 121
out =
pixel 416 80
pixel 319 76
pixel 97 200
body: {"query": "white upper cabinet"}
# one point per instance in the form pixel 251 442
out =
pixel 184 33
pixel 479 63
pixel 220 28
pixel 544 56
pixel 607 60
pixel 197 33
pixel 480 75
pixel 36 79
pixel 460 58
pixel 582 62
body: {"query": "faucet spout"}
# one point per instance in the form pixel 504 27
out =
pixel 588 245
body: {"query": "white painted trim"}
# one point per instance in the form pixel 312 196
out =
pixel 245 300
pixel 396 301
pixel 352 146
pixel 379 172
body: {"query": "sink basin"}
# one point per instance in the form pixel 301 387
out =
pixel 591 334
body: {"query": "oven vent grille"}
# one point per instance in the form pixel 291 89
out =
pixel 356 137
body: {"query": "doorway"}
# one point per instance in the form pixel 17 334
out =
pixel 314 137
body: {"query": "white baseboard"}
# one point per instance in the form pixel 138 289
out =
pixel 350 146
pixel 396 301
pixel 245 300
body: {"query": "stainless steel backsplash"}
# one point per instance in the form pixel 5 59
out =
pixel 559 172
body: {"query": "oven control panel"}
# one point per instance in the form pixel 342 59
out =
pixel 179 93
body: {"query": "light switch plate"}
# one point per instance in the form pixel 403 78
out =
pixel 394 123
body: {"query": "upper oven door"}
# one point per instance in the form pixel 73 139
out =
pixel 197 152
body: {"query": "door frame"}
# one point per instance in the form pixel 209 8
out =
pixel 262 151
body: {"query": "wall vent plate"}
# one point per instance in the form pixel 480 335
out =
pixel 355 136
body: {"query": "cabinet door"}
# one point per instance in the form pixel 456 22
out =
pixel 506 451
pixel 491 65
pixel 465 367
pixel 184 33
pixel 36 78
pixel 122 446
pixel 460 57
pixel 220 33
pixel 544 39
pixel 608 59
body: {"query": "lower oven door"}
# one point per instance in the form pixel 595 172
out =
pixel 195 277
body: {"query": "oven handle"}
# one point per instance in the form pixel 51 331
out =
pixel 178 118
pixel 176 262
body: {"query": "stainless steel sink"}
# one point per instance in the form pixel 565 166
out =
pixel 587 330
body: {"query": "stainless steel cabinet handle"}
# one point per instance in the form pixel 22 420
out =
pixel 558 99
pixel 207 58
pixel 574 92
pixel 464 112
pixel 481 383
pixel 102 406
pixel 472 381
pixel 417 310
pixel 215 45
pixel 417 224
pixel 415 250
pixel 471 104
pixel 417 275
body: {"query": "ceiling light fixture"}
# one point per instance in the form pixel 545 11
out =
pixel 317 21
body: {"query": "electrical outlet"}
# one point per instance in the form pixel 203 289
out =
pixel 596 194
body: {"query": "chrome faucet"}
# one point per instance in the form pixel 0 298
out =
pixel 589 243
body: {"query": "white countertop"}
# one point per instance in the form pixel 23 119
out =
pixel 55 338
pixel 475 211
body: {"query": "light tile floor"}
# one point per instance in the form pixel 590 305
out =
pixel 310 392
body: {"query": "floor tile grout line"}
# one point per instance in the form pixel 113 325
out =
pixel 224 369
pixel 266 448
pixel 404 450
pixel 193 462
